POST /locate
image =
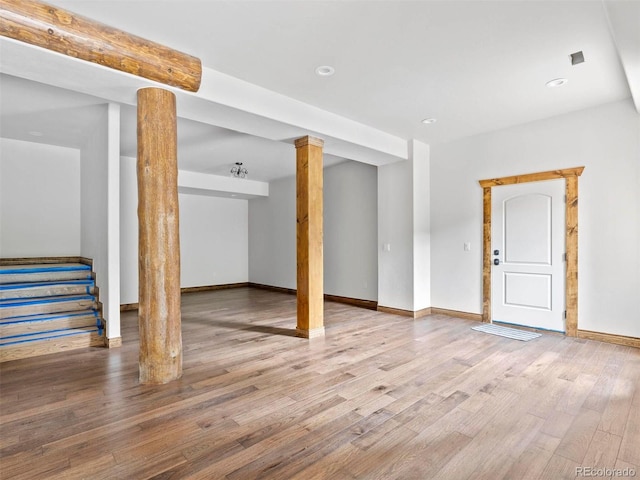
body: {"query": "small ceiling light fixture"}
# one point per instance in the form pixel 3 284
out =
pixel 427 121
pixel 556 82
pixel 35 133
pixel 239 171
pixel 325 70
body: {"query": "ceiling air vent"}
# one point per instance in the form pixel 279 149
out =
pixel 577 58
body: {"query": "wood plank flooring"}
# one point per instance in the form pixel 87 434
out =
pixel 380 397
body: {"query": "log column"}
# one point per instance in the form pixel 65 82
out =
pixel 309 237
pixel 159 243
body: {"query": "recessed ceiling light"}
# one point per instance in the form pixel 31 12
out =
pixel 429 120
pixel 35 133
pixel 325 71
pixel 556 82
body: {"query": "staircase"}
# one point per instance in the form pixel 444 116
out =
pixel 47 308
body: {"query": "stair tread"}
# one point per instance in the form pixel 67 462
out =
pixel 47 308
pixel 43 267
pixel 15 302
pixel 46 335
pixel 44 272
pixel 43 317
pixel 15 291
pixel 48 346
pixel 19 307
pixel 52 283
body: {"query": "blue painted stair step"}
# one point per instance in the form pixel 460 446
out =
pixel 46 335
pixel 47 308
pixel 44 272
pixel 41 289
pixel 36 305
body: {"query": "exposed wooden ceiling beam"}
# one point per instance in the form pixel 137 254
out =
pixel 49 27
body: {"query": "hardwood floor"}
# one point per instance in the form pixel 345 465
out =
pixel 380 397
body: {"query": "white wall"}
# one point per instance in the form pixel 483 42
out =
pixel 350 232
pixel 395 232
pixel 99 209
pixel 404 252
pixel 213 240
pixel 39 200
pixel 213 237
pixel 128 231
pixel 272 235
pixel 420 156
pixel 606 140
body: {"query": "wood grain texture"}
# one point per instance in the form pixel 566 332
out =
pixel 61 31
pixel 309 140
pixel 30 291
pixel 532 177
pixel 609 338
pixel 571 245
pixel 158 238
pixel 43 260
pixel 49 346
pixel 477 317
pixel 405 313
pixel 358 302
pixel 382 397
pixel 30 325
pixel 63 303
pixel 25 274
pixel 273 288
pixel 395 311
pixel 125 307
pixel 114 342
pixel 309 208
pixel 486 254
pixel 208 288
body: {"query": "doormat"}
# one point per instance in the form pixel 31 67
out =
pixel 514 333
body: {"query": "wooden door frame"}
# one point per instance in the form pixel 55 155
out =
pixel 571 238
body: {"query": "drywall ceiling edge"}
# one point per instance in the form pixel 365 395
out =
pixel 623 20
pixel 222 101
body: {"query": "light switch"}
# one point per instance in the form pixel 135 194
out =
pixel 467 246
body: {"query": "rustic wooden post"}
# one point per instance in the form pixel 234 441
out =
pixel 309 237
pixel 159 243
pixel 571 242
pixel 486 254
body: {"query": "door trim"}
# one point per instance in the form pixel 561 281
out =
pixel 571 238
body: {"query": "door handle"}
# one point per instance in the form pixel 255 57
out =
pixel 496 261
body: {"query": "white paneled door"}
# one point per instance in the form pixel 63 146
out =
pixel 528 247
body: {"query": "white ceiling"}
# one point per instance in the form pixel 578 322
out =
pixel 476 66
